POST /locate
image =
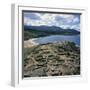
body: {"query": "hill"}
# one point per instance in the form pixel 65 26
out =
pixel 40 31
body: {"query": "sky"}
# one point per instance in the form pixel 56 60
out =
pixel 65 21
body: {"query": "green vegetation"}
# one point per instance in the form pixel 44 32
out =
pixel 54 59
pixel 34 34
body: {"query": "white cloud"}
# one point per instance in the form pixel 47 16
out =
pixel 77 27
pixel 61 20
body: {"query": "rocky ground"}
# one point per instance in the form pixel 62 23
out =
pixel 52 59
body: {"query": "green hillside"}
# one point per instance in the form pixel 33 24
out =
pixel 32 33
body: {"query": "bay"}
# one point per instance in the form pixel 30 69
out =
pixel 58 38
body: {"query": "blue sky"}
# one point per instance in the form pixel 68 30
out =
pixel 65 21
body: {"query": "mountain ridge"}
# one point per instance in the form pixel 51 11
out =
pixel 44 27
pixel 41 31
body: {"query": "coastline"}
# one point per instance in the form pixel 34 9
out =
pixel 49 39
pixel 30 43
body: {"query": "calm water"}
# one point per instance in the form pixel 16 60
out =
pixel 57 38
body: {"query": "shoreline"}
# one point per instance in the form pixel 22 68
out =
pixel 30 43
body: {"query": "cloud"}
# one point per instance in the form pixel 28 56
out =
pixel 76 27
pixel 65 21
pixel 32 16
pixel 76 19
pixel 68 21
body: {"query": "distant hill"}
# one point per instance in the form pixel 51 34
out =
pixel 44 28
pixel 39 31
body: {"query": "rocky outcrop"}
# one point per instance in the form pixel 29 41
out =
pixel 52 59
